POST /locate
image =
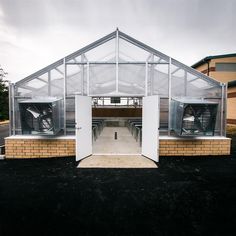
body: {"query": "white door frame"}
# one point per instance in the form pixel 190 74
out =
pixel 150 127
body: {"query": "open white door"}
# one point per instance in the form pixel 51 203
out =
pixel 150 127
pixel 83 120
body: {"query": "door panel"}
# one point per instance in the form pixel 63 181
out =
pixel 150 127
pixel 83 118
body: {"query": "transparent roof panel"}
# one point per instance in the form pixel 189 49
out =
pixel 103 52
pixel 77 59
pixel 130 52
pixel 100 75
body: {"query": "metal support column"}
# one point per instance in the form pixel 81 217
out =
pixel 146 78
pixel 88 82
pixel 225 110
pixel 169 95
pixel 152 75
pixel 223 107
pixel 64 93
pixel 82 74
pixel 117 60
pixel 49 84
pixel 13 109
pixel 185 83
pixel 10 108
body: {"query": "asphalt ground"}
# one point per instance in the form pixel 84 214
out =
pixel 184 196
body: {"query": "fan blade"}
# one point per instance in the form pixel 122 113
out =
pixel 189 118
pixel 33 112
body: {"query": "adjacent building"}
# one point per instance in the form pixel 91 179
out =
pixel 223 69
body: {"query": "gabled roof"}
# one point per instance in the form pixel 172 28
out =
pixel 103 40
pixel 208 58
pixel 117 65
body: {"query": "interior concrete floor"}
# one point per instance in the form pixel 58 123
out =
pixel 108 145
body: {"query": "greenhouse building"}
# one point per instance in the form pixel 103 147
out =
pixel 117 96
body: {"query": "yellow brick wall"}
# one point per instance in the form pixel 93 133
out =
pixel 47 148
pixel 202 147
pixel 38 148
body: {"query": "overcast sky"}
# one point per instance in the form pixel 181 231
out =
pixel 35 33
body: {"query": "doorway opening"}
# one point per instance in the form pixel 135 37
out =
pixel 117 125
pixel 122 130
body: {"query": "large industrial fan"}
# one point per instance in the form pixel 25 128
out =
pixel 193 117
pixel 40 116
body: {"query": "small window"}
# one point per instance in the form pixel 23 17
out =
pixel 115 99
pixel 231 67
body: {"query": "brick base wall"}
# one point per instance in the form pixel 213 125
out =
pixel 199 147
pixel 39 148
pixel 47 148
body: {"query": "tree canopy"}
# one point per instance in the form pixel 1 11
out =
pixel 4 110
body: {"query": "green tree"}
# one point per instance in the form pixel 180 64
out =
pixel 4 106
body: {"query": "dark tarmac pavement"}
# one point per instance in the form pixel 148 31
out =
pixel 184 196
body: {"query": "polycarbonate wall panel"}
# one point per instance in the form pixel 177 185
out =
pixel 57 82
pixel 102 79
pixel 158 77
pixel 197 87
pixel 74 76
pixel 132 79
pixel 17 116
pixel 37 86
pixel 197 84
pixel 178 82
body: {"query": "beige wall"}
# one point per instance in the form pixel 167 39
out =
pixel 223 76
pixel 202 67
pixel 231 108
pixel 217 75
pixel 231 105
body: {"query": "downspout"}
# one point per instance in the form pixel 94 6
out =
pixel 208 67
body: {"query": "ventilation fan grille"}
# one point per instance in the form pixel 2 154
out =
pixel 194 119
pixel 198 119
pixel 39 118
